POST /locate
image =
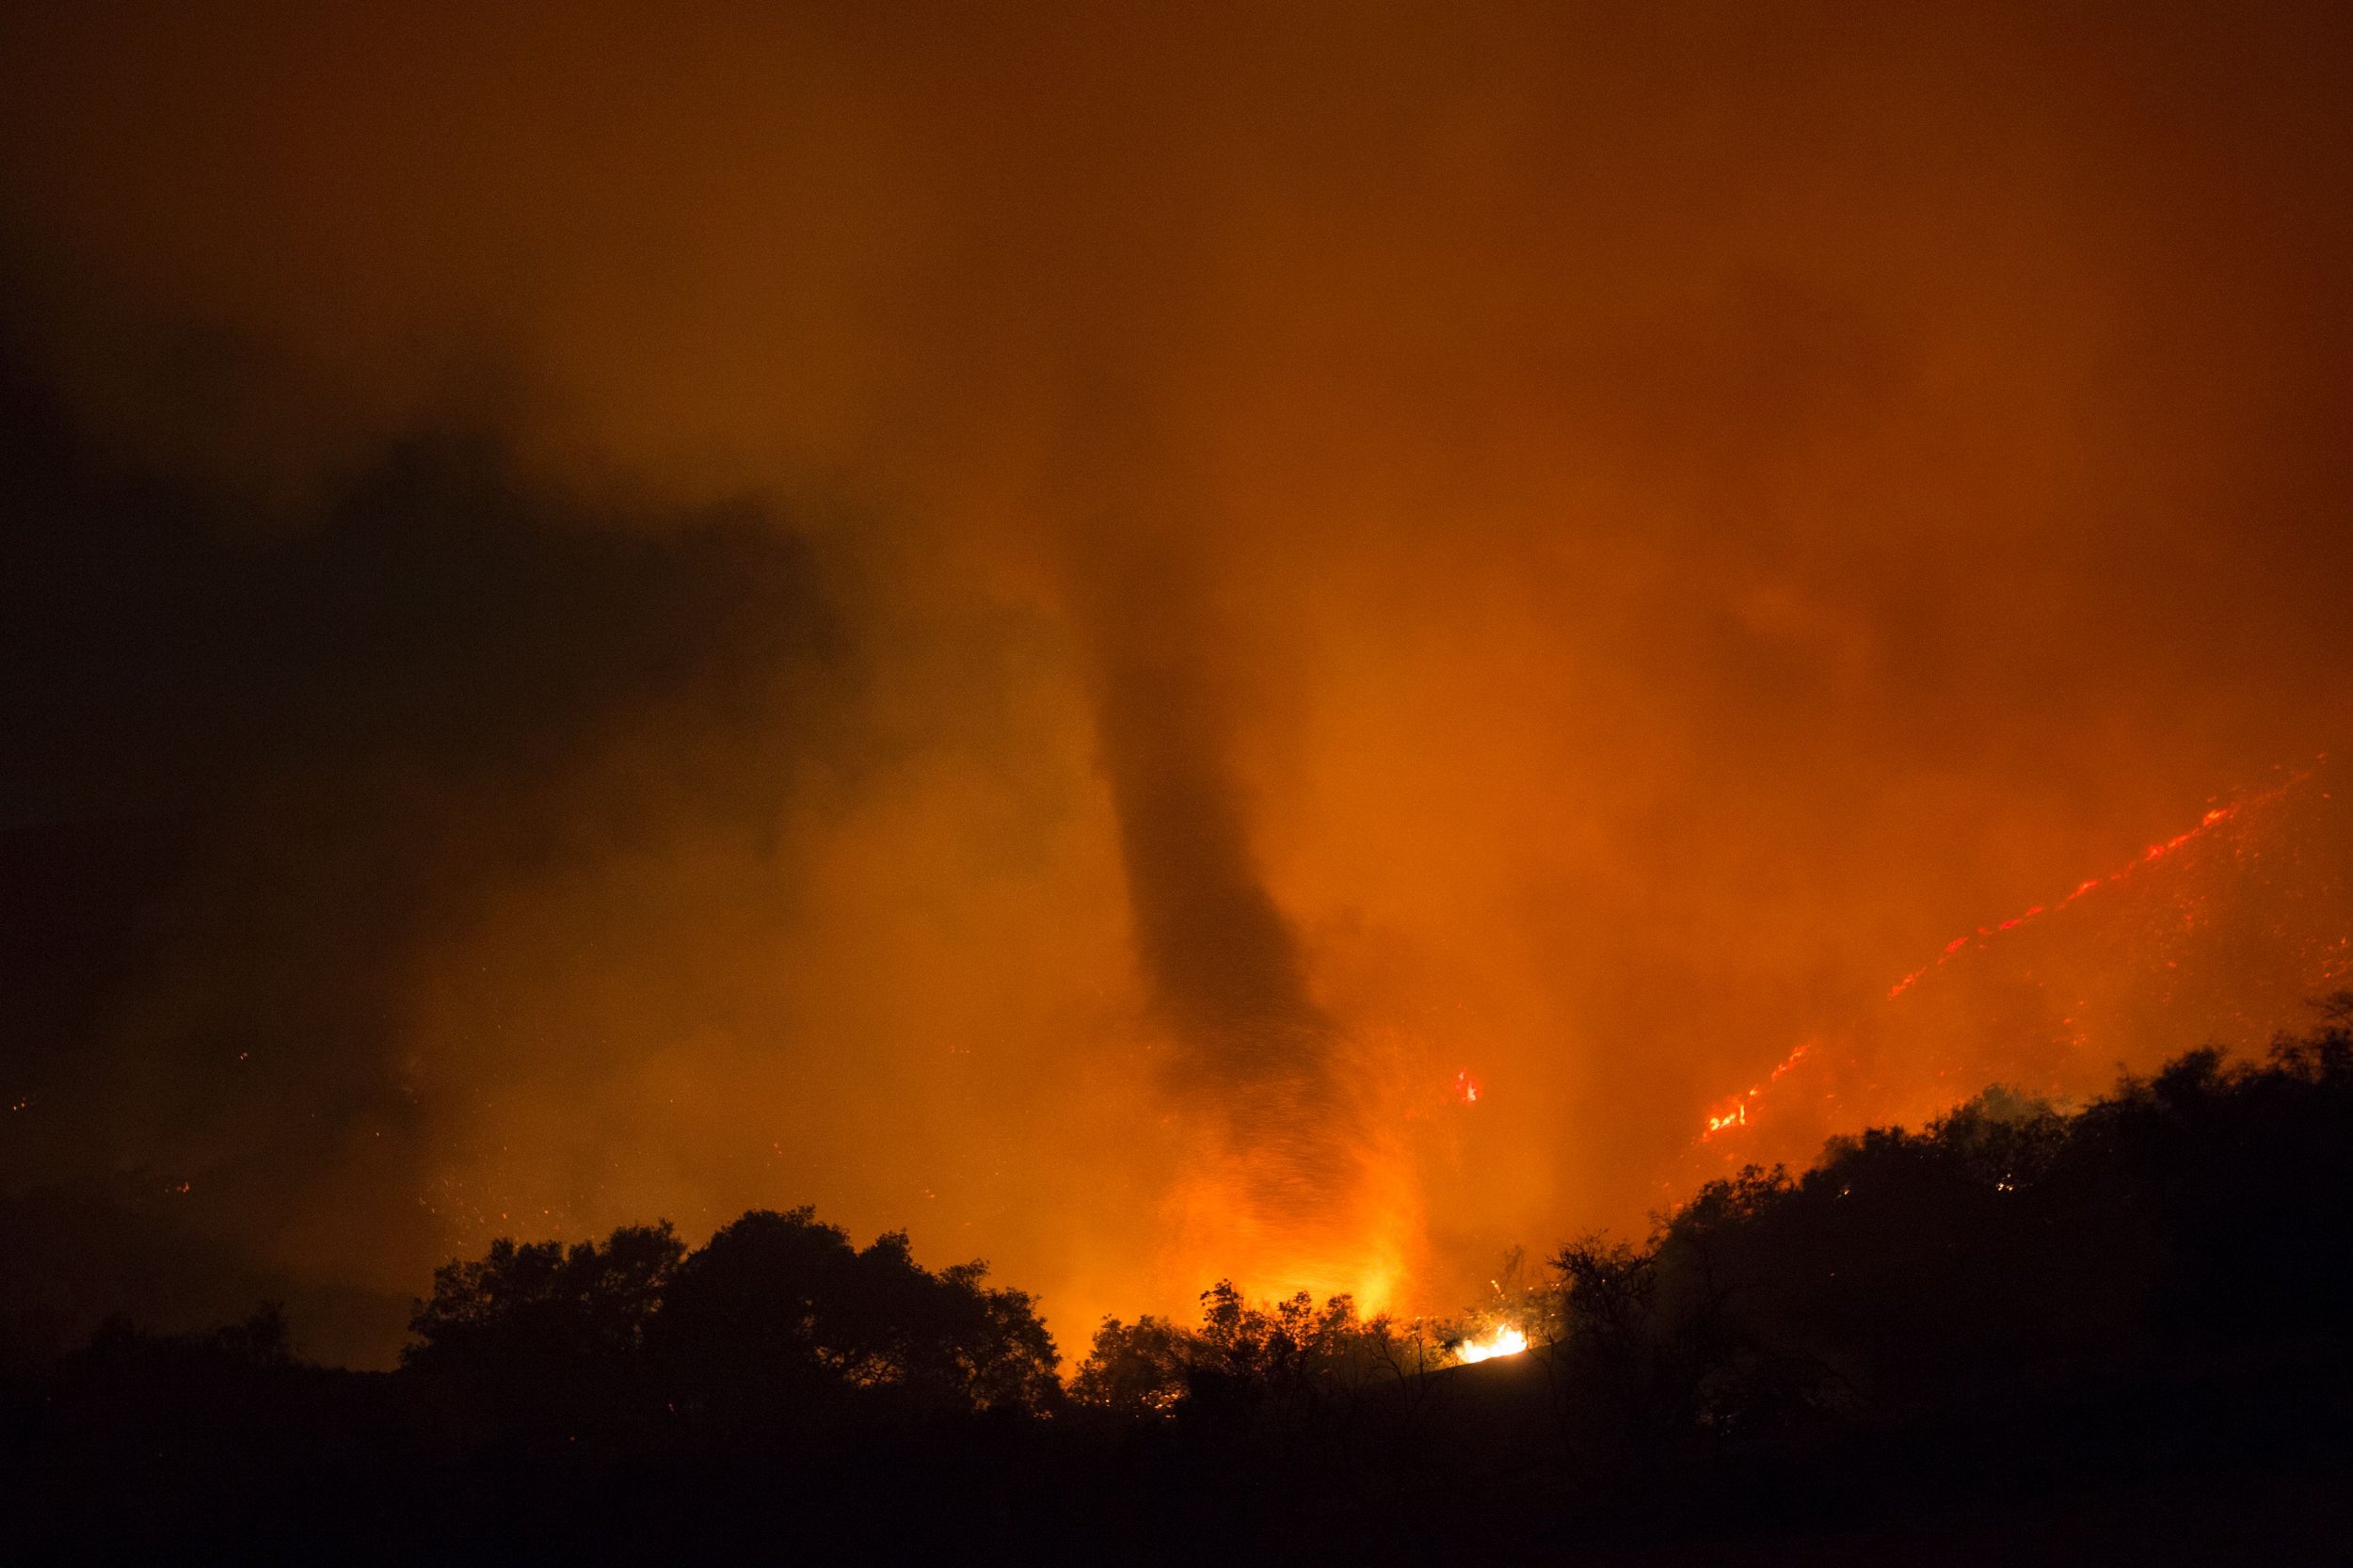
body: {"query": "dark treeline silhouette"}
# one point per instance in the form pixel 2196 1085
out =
pixel 2116 1333
pixel 777 1312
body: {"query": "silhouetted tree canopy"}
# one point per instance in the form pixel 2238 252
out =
pixel 776 1312
pixel 2180 1215
pixel 545 1304
pixel 1252 1364
pixel 2009 1310
pixel 779 1303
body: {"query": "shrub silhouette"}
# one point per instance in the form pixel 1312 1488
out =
pixel 1252 1367
pixel 777 1304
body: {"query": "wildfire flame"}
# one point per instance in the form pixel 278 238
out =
pixel 1734 1113
pixel 1501 1341
pixel 2214 818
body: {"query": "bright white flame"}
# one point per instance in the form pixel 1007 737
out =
pixel 1503 1341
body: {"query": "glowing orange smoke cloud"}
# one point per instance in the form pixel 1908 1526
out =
pixel 957 614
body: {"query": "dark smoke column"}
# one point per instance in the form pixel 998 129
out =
pixel 1256 1060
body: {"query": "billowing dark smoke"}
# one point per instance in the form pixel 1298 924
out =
pixel 1257 1061
pixel 1223 965
pixel 260 765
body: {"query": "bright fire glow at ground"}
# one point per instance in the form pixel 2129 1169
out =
pixel 1503 1341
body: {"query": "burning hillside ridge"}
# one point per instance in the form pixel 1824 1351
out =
pixel 2219 934
pixel 1901 1265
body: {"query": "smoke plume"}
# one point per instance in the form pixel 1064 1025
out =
pixel 1148 642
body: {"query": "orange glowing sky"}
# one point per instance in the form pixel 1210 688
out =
pixel 1297 640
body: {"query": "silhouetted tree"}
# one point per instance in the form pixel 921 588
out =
pixel 744 1317
pixel 1250 1366
pixel 1136 1369
pixel 780 1306
pixel 542 1326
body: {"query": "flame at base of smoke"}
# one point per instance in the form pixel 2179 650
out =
pixel 1319 1206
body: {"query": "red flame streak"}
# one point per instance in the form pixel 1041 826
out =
pixel 1736 1112
pixel 2155 851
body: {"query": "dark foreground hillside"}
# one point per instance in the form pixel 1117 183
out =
pixel 2119 1335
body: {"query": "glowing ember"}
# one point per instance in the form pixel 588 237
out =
pixel 1502 1341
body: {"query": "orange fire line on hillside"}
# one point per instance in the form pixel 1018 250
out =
pixel 2214 818
pixel 1735 1112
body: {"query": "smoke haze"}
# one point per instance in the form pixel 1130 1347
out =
pixel 1284 641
